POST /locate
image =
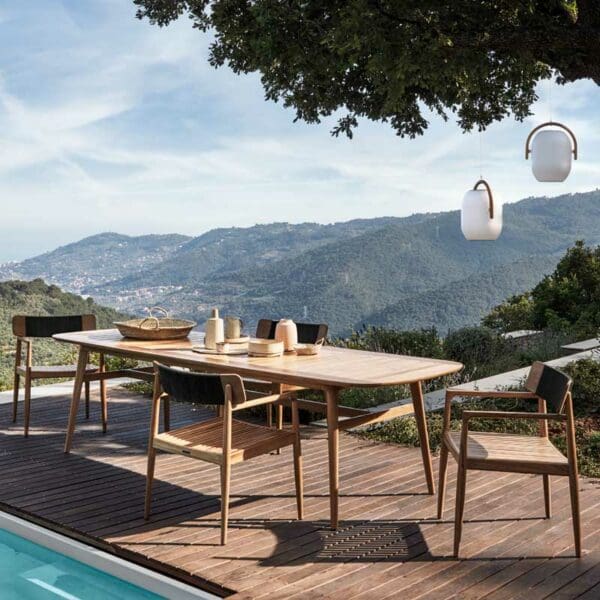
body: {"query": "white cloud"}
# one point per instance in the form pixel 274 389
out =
pixel 107 123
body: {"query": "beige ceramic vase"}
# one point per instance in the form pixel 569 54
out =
pixel 287 332
pixel 214 330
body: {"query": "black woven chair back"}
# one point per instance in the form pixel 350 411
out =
pixel 186 386
pixel 550 384
pixel 45 327
pixel 308 333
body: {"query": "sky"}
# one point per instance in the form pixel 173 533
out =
pixel 110 124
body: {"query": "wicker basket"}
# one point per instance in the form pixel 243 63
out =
pixel 153 328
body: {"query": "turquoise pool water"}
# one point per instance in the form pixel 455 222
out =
pixel 31 572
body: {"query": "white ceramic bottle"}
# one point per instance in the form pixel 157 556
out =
pixel 214 330
pixel 287 332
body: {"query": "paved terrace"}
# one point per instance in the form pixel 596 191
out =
pixel 388 544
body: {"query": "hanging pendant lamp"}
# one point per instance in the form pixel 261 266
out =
pixel 480 217
pixel 551 151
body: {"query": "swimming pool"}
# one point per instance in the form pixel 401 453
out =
pixel 37 564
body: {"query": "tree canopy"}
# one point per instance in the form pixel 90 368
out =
pixel 386 60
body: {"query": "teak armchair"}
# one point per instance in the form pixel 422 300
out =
pixel 308 333
pixel 510 452
pixel 25 329
pixel 222 440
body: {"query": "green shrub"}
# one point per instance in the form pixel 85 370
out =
pixel 514 313
pixel 420 342
pixel 586 386
pixel 478 348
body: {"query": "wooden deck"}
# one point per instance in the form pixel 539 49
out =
pixel 387 546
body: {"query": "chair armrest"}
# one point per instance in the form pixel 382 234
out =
pixel 467 415
pixel 257 402
pixel 519 395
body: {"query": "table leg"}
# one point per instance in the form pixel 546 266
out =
pixel 79 377
pixel 333 439
pixel 419 406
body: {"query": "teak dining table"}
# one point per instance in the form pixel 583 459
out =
pixel 331 371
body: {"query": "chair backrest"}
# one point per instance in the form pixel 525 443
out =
pixel 550 384
pixel 199 388
pixel 308 333
pixel 44 327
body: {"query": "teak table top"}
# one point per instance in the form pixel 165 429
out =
pixel 332 367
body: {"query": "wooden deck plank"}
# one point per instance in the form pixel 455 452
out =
pixel 420 562
pixel 388 542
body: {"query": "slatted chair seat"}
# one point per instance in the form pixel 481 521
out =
pixel 204 441
pixel 521 453
pixel 47 372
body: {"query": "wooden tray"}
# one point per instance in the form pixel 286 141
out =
pixel 241 340
pixel 231 352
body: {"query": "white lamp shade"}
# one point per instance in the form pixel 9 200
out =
pixel 475 220
pixel 551 155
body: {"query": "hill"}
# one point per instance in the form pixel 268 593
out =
pixel 37 298
pixel 463 303
pixel 350 273
pixel 227 250
pixel 346 281
pixel 96 259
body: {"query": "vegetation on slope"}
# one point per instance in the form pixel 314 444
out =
pixel 568 299
pixel 224 251
pixel 465 302
pixel 37 298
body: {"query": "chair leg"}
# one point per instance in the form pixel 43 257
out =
pixel 149 481
pixel 103 398
pixel 460 507
pixel 225 480
pixel 298 460
pixel 104 406
pixel 167 414
pixel 87 399
pixel 442 480
pixel 15 397
pixel 574 490
pixel 547 496
pixel 27 408
pixel 269 415
pixel 279 410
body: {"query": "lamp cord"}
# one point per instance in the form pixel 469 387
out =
pixel 550 97
pixel 480 157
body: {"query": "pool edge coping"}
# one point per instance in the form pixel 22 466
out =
pixel 91 555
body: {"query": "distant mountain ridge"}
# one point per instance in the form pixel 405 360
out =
pixel 96 259
pixel 402 272
pixel 230 249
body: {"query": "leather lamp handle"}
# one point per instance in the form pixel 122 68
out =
pixel 550 124
pixel 486 185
